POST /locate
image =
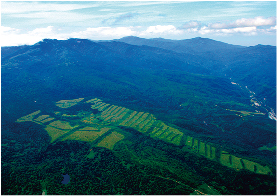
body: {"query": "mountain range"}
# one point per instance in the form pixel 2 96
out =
pixel 218 93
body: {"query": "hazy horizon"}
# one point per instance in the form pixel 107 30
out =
pixel 239 23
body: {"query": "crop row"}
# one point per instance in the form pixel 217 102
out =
pixel 224 157
pixel 239 163
pixel 142 122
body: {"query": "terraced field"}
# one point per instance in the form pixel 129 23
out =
pixel 225 158
pixel 103 130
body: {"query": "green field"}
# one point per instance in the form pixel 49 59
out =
pixel 110 140
pixel 28 117
pixel 68 103
pixel 42 117
pixel 140 121
pixel 54 133
pixel 86 135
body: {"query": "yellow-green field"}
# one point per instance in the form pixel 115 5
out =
pixel 28 117
pixel 98 104
pixel 47 120
pixel 225 159
pixel 112 115
pixel 116 110
pixel 119 112
pixel 68 103
pixel 103 107
pixel 208 150
pixel 88 129
pixel 136 117
pixel 171 137
pixel 69 116
pixel 107 111
pixel 246 113
pixel 262 169
pixel 202 148
pixel 267 148
pixel 236 162
pixel 111 140
pixel 249 165
pixel 87 136
pixel 213 156
pixel 156 129
pixel 157 133
pixel 165 134
pixel 177 139
pixel 195 145
pixel 62 125
pixel 162 133
pixel 128 118
pixel 189 141
pixel 54 133
pixel 120 115
pixel 141 125
pixel 40 118
pixel 148 126
pixel 139 120
pixel 92 100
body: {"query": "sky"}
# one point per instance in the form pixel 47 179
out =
pixel 245 23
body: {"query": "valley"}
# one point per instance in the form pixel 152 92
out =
pixel 138 116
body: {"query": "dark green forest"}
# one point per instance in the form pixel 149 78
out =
pixel 188 92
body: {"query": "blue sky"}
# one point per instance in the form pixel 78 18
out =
pixel 245 23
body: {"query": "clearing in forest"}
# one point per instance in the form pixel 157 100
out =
pixel 62 125
pixel 68 103
pixel 110 140
pixel 112 116
pixel 246 113
pixel 54 133
pixel 87 136
pixel 28 117
pixel 42 117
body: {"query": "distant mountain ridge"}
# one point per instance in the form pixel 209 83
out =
pixel 217 94
pixel 245 65
pixel 181 46
pixel 253 66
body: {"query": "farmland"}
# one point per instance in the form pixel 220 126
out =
pixel 99 130
pixel 86 135
pixel 68 103
pixel 110 140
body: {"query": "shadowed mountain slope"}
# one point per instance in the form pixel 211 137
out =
pixel 188 89
pixel 253 66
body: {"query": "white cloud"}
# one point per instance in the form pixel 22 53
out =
pixel 8 30
pixel 14 37
pixel 251 22
pixel 42 31
pixel 104 33
pixel 240 30
pixel 160 30
pixel 251 26
pixel 248 27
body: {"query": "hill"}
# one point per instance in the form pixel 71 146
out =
pixel 249 66
pixel 61 96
